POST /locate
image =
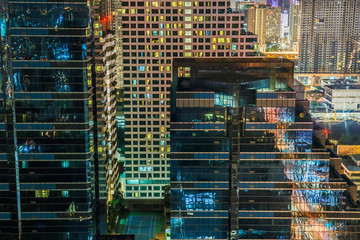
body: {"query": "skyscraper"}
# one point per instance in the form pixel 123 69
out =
pixel 329 37
pixel 49 128
pixel 244 164
pixel 153 34
pixel 265 22
pixel 294 24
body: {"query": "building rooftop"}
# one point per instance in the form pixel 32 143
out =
pixel 350 165
pixel 342 87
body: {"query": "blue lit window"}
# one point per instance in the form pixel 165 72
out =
pixel 65 164
pixel 141 68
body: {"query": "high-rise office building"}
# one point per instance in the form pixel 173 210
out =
pixel 329 37
pixel 265 22
pixel 153 34
pixel 244 164
pixel 105 59
pixel 294 25
pixel 49 130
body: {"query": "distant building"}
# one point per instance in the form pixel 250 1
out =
pixel 343 98
pixel 330 35
pixel 294 25
pixel 265 22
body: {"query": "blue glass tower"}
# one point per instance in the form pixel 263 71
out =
pixel 244 163
pixel 48 129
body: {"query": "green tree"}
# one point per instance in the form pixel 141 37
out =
pixel 167 196
pixel 115 208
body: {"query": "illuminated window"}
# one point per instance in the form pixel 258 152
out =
pixel 187 54
pixel 132 11
pixel 188 11
pixel 188 40
pixel 65 164
pixel 155 4
pixel 42 193
pixel 188 25
pixel 187 4
pixel 65 193
pixel 174 4
pixel 187 19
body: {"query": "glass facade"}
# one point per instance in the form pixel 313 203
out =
pixel 48 129
pixel 244 163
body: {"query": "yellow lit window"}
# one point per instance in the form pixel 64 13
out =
pixel 174 4
pixel 132 11
pixel 228 40
pixel 149 136
pixel 175 25
pixel 136 194
pixel 221 40
pixel 180 33
pixel 213 47
pixel 148 4
pixel 201 33
pixel 195 4
pixel 161 18
pixel 168 68
pixel 42 193
pixel 194 54
pixel 213 40
pixel 155 4
pixel 221 33
pixel 161 40
pixel 195 18
pixel 200 54
pixel 162 129
pixel 187 54
pixel 181 4
pixel 201 18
